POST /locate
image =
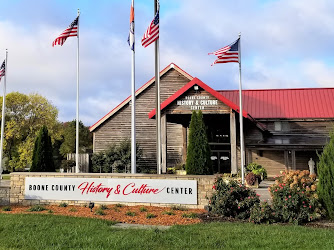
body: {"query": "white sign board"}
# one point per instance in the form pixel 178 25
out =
pixel 197 102
pixel 119 190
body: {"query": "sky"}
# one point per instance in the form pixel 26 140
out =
pixel 284 44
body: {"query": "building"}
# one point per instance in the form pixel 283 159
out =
pixel 283 128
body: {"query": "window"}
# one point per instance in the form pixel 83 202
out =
pixel 278 126
pixel 282 126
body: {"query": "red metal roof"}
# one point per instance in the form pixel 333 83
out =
pixel 285 103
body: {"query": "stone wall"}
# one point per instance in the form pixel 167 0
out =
pixel 204 187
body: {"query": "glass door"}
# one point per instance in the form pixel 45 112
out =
pixel 221 161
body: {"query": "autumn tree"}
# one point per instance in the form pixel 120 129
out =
pixel 25 115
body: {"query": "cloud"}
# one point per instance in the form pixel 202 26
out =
pixel 318 73
pixel 284 44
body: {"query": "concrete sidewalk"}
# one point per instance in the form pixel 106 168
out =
pixel 263 190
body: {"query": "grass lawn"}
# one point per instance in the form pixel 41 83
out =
pixel 59 232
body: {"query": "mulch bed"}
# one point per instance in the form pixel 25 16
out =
pixel 122 214
pixel 138 215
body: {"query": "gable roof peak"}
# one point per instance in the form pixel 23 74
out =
pixel 138 91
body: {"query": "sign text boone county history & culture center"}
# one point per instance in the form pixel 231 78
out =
pixel 119 190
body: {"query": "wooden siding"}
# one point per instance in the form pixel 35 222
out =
pixel 310 126
pixel 118 127
pixel 302 158
pixel 297 134
pixel 272 161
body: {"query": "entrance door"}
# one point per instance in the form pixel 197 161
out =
pixel 221 161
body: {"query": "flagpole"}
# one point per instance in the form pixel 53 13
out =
pixel 242 146
pixel 157 98
pixel 133 105
pixel 77 170
pixel 3 116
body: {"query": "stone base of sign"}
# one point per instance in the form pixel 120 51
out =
pixel 181 172
pixel 4 195
pixel 204 187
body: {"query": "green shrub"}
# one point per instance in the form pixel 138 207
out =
pixel 232 199
pixel 63 204
pixel 99 212
pixel 198 151
pixel 171 170
pixel 6 208
pixel 36 208
pixel 150 216
pixel 117 158
pixel 168 213
pixel 190 215
pixel 119 205
pixel 72 209
pixel 130 213
pixel 262 213
pixel 67 165
pixel 179 208
pixel 257 170
pixel 143 209
pixel 295 199
pixel 103 207
pixel 326 177
pixel 50 211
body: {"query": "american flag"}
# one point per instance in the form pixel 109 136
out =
pixel 72 30
pixel 152 32
pixel 3 69
pixel 227 54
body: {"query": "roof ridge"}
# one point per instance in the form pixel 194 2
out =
pixel 317 88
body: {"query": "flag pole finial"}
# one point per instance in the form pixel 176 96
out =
pixel 78 12
pixel 239 34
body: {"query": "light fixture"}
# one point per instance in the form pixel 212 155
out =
pixel 91 205
pixel 195 87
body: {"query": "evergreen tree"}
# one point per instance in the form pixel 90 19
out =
pixel 325 187
pixel 42 160
pixel 198 153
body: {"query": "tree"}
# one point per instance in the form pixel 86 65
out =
pixel 85 138
pixel 198 153
pixel 42 160
pixel 25 116
pixel 325 187
pixel 117 158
